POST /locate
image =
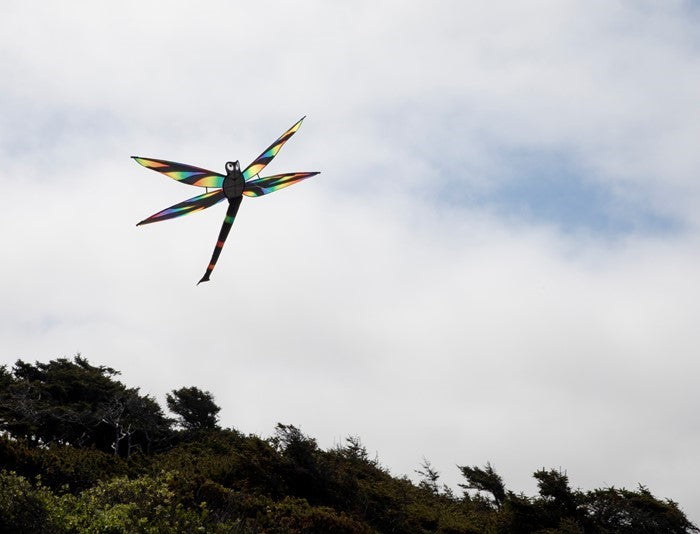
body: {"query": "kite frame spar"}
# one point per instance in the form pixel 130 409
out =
pixel 231 186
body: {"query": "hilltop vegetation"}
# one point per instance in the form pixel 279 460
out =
pixel 82 452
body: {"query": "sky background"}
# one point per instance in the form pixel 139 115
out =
pixel 499 261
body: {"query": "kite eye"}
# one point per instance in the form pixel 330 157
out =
pixel 229 166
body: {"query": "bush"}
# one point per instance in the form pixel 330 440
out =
pixel 22 507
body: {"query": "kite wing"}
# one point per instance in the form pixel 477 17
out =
pixel 187 174
pixel 234 203
pixel 266 157
pixel 270 184
pixel 188 206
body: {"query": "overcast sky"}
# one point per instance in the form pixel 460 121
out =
pixel 499 261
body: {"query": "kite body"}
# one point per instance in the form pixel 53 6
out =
pixel 231 186
pixel 234 183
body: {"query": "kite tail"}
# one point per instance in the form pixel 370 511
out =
pixel 234 203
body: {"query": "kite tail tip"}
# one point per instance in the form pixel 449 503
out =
pixel 205 278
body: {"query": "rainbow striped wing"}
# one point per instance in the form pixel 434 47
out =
pixel 187 174
pixel 188 206
pixel 266 157
pixel 270 184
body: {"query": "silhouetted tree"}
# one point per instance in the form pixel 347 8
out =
pixel 195 408
pixel 304 474
pixel 71 471
pixel 626 512
pixel 75 403
pixel 554 489
pixel 485 479
pixel 355 449
pixel 57 402
pixel 430 476
pixel 134 422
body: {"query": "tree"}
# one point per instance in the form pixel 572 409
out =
pixel 196 408
pixel 134 422
pixel 56 402
pixel 430 476
pixel 302 469
pixel 484 480
pixel 355 449
pixel 74 403
pixel 628 512
pixel 554 489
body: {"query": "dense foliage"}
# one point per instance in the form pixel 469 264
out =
pixel 81 452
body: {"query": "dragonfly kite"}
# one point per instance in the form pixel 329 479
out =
pixel 231 186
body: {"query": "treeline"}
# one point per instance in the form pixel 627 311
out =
pixel 82 452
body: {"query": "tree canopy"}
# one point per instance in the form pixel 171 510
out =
pixel 195 408
pixel 82 452
pixel 71 402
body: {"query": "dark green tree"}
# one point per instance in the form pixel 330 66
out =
pixel 134 423
pixel 626 512
pixel 304 472
pixel 554 489
pixel 354 449
pixel 71 427
pixel 485 479
pixel 71 402
pixel 57 402
pixel 195 408
pixel 429 476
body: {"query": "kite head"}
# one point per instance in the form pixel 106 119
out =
pixel 232 167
